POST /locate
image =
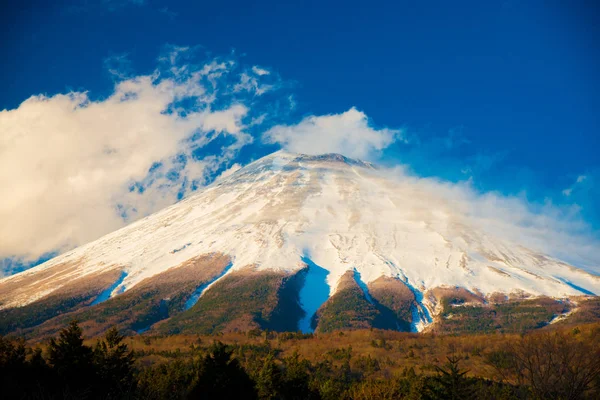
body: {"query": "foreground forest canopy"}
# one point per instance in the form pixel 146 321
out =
pixel 363 364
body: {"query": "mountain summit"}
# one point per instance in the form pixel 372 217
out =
pixel 289 241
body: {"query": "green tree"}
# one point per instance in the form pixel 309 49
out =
pixel 451 382
pixel 73 361
pixel 166 381
pixel 268 379
pixel 221 377
pixel 12 366
pixel 297 379
pixel 114 362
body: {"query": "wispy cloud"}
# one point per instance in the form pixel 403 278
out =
pixel 260 71
pixel 118 66
pixel 580 179
pixel 558 231
pixel 250 81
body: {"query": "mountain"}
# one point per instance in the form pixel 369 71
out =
pixel 296 241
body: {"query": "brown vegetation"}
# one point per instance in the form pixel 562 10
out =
pixel 361 364
pixel 247 299
pixel 25 283
pixel 242 300
pixel 396 296
pixel 587 310
pixel 348 308
pixel 151 300
pixel 453 295
pixel 508 316
pixel 386 354
pixel 69 298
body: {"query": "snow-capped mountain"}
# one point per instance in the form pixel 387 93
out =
pixel 285 212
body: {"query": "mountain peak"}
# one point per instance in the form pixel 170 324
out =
pixel 331 157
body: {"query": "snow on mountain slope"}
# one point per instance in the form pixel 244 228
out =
pixel 341 214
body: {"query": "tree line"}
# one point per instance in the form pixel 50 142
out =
pixel 543 366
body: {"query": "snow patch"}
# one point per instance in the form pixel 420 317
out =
pixel 421 316
pixel 561 317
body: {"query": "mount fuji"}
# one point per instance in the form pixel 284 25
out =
pixel 291 242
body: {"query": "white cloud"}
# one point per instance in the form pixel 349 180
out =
pixel 251 84
pixel 347 133
pixel 69 164
pixel 292 102
pixel 260 71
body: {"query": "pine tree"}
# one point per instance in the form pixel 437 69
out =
pixel 268 380
pixel 296 379
pixel 72 360
pixel 451 382
pixel 114 362
pixel 12 367
pixel 222 377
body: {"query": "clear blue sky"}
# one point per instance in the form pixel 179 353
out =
pixel 504 92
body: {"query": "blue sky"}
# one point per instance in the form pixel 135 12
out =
pixel 501 94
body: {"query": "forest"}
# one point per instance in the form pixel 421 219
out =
pixel 362 364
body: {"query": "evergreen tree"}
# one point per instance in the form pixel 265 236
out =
pixel 73 361
pixel 221 377
pixel 451 382
pixel 268 380
pixel 12 366
pixel 297 379
pixel 166 381
pixel 114 364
